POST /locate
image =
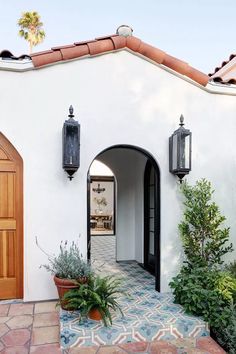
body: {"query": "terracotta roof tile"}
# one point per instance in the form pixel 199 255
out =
pixel 75 51
pixel 226 73
pixel 119 42
pixel 116 42
pixel 47 57
pixel 133 43
pixel 6 54
pixel 101 46
pixel 223 64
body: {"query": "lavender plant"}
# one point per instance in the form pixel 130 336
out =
pixel 69 263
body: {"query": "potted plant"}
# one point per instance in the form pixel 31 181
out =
pixel 68 267
pixel 96 299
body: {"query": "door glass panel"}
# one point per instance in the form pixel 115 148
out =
pixel 151 196
pixel 151 224
pixel 152 176
pixel 151 243
pixel 151 213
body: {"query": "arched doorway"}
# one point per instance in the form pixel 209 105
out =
pixel 11 221
pixel 129 163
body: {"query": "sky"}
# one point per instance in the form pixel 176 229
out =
pixel 200 32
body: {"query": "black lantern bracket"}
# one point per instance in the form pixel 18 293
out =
pixel 71 144
pixel 180 151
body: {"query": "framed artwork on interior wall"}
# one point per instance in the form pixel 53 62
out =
pixel 102 205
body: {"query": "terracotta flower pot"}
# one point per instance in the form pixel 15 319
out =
pixel 94 314
pixel 65 285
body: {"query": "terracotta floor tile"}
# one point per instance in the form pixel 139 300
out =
pixel 192 351
pixel 136 347
pixel 161 347
pixel 16 350
pixel 3 329
pixel 1 346
pixel 21 309
pixel 4 319
pixel 49 306
pixel 4 309
pixel 111 350
pixel 85 350
pixel 46 319
pixel 46 349
pixel 184 342
pixel 208 344
pixel 23 321
pixel 16 337
pixel 45 335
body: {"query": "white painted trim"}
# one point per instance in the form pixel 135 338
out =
pixel 16 65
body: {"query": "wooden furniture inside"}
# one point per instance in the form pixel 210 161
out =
pixel 101 221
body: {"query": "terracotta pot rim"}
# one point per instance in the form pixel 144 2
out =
pixel 68 281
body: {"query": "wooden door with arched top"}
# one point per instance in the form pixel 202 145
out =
pixel 11 221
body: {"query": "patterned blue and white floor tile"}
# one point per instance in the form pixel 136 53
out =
pixel 148 315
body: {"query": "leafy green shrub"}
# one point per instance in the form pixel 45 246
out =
pixel 205 292
pixel 201 287
pixel 231 268
pixel 226 285
pixel 226 336
pixel 203 238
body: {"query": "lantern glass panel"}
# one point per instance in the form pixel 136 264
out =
pixel 72 157
pixel 184 152
pixel 187 151
pixel 175 152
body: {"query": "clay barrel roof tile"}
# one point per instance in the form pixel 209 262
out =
pixel 116 42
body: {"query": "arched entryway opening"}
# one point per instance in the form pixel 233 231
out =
pixel 137 206
pixel 11 221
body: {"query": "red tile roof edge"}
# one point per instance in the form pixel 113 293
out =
pixel 112 43
pixel 222 64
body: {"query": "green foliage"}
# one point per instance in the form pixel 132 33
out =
pixel 69 263
pixel 231 268
pixel 226 336
pixel 100 293
pixel 204 240
pixel 226 285
pixel 201 287
pixel 31 28
pixel 205 292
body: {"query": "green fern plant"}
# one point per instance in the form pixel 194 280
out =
pixel 99 293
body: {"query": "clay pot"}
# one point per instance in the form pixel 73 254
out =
pixel 94 314
pixel 65 285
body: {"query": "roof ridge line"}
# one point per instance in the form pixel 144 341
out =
pixel 102 45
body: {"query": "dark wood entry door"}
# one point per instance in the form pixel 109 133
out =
pixel 151 227
pixel 11 221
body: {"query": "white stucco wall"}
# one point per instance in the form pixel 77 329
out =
pixel 118 99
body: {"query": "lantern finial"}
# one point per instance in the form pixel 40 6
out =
pixel 71 111
pixel 181 120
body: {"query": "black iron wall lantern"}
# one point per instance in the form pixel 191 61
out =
pixel 71 145
pixel 180 148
